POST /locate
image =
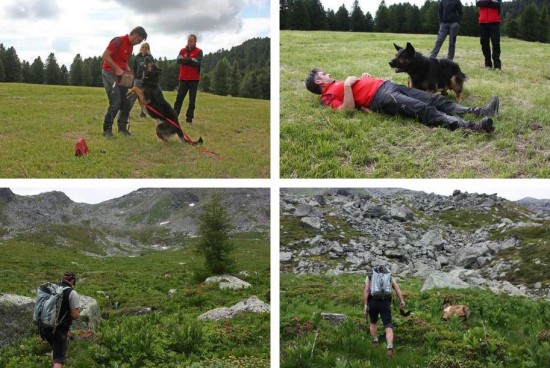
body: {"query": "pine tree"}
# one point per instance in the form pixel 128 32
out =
pixel 544 25
pixel 12 65
pixel 215 244
pixel 25 72
pixel 381 20
pixel 317 15
pixel 63 75
pixel 53 73
pixel 529 23
pixel 2 71
pixel 358 22
pixel 220 78
pixel 342 19
pixel 235 80
pixel 77 71
pixel 37 71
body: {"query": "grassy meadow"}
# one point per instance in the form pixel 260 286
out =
pixel 170 336
pixel 317 142
pixel 39 126
pixel 502 331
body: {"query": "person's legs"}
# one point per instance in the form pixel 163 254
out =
pixel 125 108
pixel 495 42
pixel 183 87
pixel 441 35
pixel 484 41
pixel 190 114
pixel 113 95
pixel 453 32
pixel 373 317
pixel 60 346
pixel 405 101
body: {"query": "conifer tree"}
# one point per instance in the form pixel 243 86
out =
pixel 215 244
pixel 37 71
pixel 12 65
pixel 53 72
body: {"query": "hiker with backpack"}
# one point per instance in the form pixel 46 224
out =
pixel 378 286
pixel 57 305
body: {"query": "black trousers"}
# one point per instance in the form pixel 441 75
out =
pixel 59 342
pixel 185 86
pixel 380 307
pixel 429 109
pixel 490 32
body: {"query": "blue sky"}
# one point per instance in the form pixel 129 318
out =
pixel 67 27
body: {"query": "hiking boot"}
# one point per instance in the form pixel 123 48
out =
pixel 389 353
pixel 491 108
pixel 190 121
pixel 485 125
pixel 375 343
pixel 108 134
pixel 124 132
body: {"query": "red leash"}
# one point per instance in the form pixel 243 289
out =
pixel 185 135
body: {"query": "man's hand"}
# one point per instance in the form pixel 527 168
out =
pixel 350 81
pixel 366 75
pixel 366 110
pixel 402 305
pixel 366 309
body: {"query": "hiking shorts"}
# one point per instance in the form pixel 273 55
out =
pixel 59 342
pixel 380 307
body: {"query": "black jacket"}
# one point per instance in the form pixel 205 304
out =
pixel 450 11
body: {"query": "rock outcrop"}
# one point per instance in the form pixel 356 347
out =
pixel 252 305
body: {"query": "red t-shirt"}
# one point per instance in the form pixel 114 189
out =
pixel 121 49
pixel 363 90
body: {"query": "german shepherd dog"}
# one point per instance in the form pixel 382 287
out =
pixel 428 74
pixel 151 94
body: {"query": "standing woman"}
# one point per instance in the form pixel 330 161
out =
pixel 138 67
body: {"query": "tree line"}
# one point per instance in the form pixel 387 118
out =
pixel 523 19
pixel 242 71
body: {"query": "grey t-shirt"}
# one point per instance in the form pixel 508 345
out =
pixel 74 300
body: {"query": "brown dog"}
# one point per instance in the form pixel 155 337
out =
pixel 461 311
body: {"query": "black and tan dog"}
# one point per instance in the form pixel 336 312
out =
pixel 150 98
pixel 428 74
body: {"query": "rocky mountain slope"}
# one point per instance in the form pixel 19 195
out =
pixel 462 240
pixel 154 218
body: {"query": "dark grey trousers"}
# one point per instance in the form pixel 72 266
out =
pixel 429 109
pixel 446 29
pixel 118 102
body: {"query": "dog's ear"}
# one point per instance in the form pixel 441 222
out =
pixel 410 48
pixel 397 47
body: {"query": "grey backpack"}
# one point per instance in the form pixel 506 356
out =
pixel 380 285
pixel 47 306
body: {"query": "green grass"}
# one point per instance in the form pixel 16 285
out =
pixel 41 124
pixel 317 142
pixel 501 332
pixel 170 336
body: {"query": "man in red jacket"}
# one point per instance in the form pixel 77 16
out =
pixel 374 94
pixel 189 58
pixel 489 22
pixel 115 64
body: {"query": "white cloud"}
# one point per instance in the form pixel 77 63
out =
pixel 67 27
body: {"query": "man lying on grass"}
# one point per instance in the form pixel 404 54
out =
pixel 374 94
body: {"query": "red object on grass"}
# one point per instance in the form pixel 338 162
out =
pixel 81 148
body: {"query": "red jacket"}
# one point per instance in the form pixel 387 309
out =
pixel 189 69
pixel 122 48
pixel 489 11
